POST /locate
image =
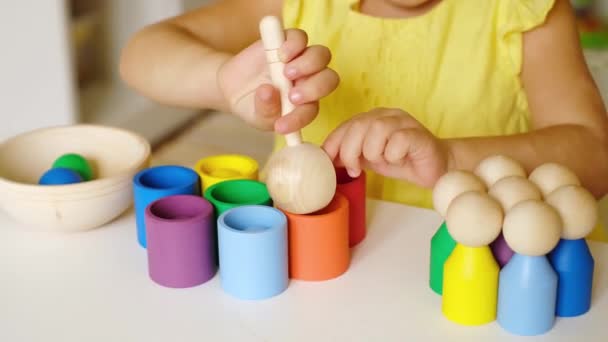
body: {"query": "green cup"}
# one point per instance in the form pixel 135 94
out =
pixel 237 192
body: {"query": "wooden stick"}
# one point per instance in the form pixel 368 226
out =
pixel 273 37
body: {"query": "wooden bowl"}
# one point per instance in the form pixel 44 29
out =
pixel 115 155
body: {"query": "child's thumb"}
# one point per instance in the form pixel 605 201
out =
pixel 267 103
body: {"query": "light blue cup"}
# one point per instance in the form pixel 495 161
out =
pixel 253 253
pixel 157 182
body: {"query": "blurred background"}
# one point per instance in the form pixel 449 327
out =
pixel 59 66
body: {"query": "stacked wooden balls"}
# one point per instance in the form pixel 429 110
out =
pixel 68 168
pixel 532 212
pixel 535 213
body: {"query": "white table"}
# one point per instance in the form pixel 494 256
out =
pixel 94 286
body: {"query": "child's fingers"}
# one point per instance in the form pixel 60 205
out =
pixel 296 41
pixel 401 144
pixel 352 146
pixel 314 59
pixel 377 136
pixel 332 142
pixel 300 117
pixel 314 87
pixel 267 103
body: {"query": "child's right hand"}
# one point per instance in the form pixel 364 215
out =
pixel 246 85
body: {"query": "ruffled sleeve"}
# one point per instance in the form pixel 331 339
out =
pixel 515 17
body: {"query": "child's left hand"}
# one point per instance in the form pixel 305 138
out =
pixel 390 142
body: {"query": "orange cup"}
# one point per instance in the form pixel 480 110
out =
pixel 319 242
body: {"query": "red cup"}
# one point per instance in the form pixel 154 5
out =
pixel 354 191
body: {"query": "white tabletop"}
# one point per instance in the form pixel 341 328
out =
pixel 93 286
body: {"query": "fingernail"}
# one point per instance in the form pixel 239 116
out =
pixel 295 96
pixel 352 173
pixel 291 72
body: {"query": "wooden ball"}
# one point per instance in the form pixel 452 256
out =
pixel 551 176
pixel 452 184
pixel 578 209
pixel 497 167
pixel 474 219
pixel 532 227
pixel 512 190
pixel 301 179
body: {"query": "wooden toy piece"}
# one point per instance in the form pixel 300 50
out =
pixel 509 191
pixel 301 178
pixel 550 176
pixel 572 259
pixel 496 167
pixel 527 290
pixel 60 176
pixel 470 283
pixel 446 189
pixel 453 184
pixel 75 162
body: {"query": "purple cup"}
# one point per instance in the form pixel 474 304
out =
pixel 181 241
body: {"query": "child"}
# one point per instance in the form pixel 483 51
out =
pixel 407 89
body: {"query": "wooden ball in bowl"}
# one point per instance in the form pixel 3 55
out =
pixel 115 155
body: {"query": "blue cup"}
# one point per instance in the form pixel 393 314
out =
pixel 157 182
pixel 253 253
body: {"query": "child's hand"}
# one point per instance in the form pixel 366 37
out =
pixel 247 87
pixel 390 142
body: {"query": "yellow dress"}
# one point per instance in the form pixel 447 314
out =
pixel 455 69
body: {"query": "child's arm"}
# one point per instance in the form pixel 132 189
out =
pixel 212 58
pixel 175 62
pixel 568 116
pixel 569 119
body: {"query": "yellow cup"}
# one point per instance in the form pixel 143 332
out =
pixel 219 168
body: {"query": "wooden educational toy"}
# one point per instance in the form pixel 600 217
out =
pixel 551 176
pixel 497 167
pixel 300 177
pixel 508 192
pixel 218 168
pixel 545 218
pixel 69 168
pixel 74 207
pixel 527 290
pixel 354 190
pixel 319 243
pixel 253 252
pixel 572 258
pixel 448 187
pixel 493 169
pixel 76 162
pixel 60 176
pixel 235 193
pixel 180 241
pixel 157 182
pixel 470 283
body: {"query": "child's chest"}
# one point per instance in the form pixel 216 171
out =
pixel 453 83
